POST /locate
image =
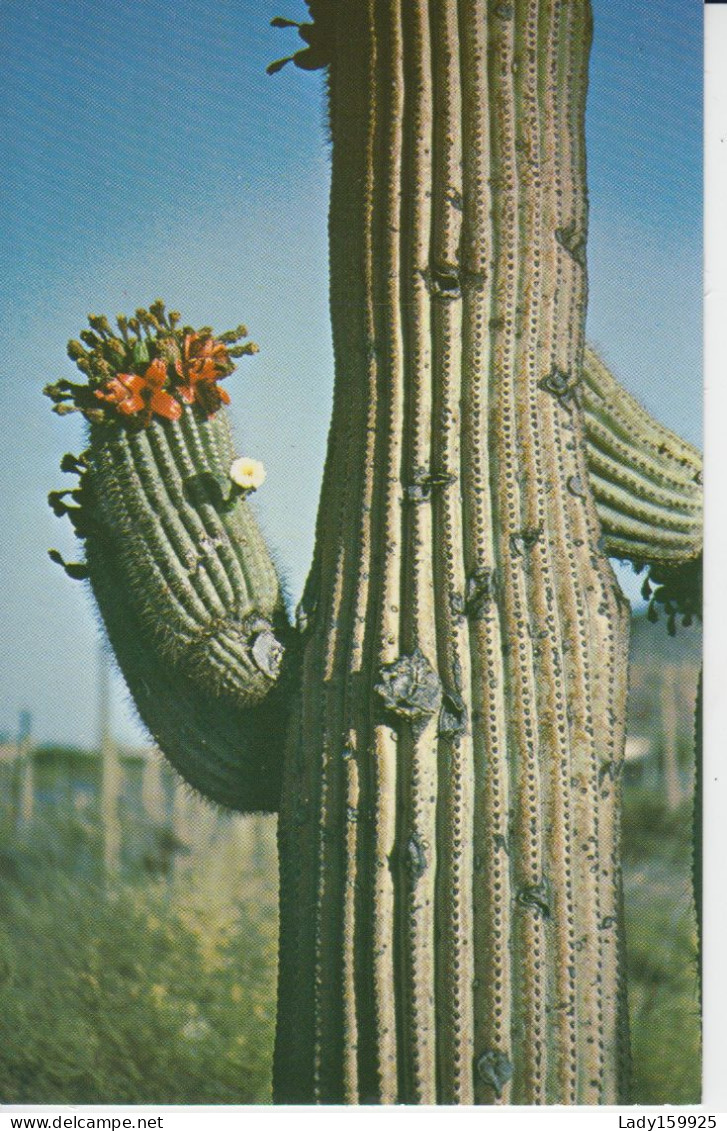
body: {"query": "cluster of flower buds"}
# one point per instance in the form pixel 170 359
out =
pixel 150 366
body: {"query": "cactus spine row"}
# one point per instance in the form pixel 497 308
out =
pixel 646 480
pixel 449 830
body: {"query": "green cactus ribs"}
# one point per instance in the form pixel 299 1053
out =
pixel 186 587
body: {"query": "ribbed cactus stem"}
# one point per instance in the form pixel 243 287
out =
pixel 230 754
pixel 451 906
pixel 200 577
pixel 185 585
pixel 190 598
pixel 647 481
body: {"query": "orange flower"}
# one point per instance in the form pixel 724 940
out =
pixel 204 362
pixel 131 394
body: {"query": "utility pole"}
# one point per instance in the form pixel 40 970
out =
pixel 110 769
pixel 670 685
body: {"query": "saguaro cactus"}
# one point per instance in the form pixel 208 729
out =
pixel 454 692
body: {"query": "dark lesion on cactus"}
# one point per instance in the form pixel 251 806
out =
pixel 560 385
pixel 523 541
pixel 443 281
pixel 319 37
pixel 536 896
pixel 423 483
pixel 493 1069
pixel 452 715
pixel 410 687
pixel 412 855
pixel 480 591
pixel 577 487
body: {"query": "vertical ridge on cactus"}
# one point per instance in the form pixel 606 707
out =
pixel 453 897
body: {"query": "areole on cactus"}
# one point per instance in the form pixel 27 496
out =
pixel 442 731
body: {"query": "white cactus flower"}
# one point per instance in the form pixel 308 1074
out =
pixel 247 473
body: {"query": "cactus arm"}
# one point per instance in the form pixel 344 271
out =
pixel 199 577
pixel 183 579
pixel 230 754
pixel 646 480
pixel 647 485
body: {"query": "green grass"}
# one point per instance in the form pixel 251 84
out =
pixel 164 991
pixel 118 997
pixel 661 952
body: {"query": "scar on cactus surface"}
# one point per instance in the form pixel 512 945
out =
pixel 186 587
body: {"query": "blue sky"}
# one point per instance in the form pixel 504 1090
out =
pixel 145 152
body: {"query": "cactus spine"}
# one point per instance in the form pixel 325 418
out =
pixel 449 831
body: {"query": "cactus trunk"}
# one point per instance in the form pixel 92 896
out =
pixel 451 908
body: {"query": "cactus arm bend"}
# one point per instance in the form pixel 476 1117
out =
pixel 646 481
pixel 183 579
pixel 227 752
